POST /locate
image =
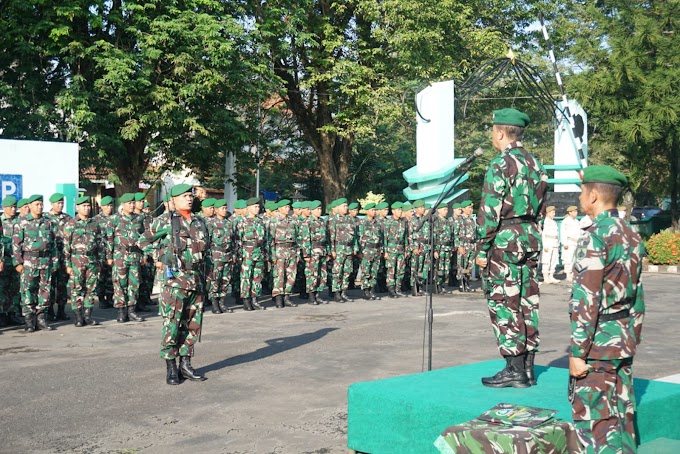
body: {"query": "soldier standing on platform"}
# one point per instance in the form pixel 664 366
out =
pixel 284 254
pixel 370 245
pixel 252 242
pixel 314 251
pixel 83 255
pixel 104 281
pixel 551 247
pixel 512 204
pixel 443 245
pixel 341 232
pixel 607 311
pixel 10 300
pixel 58 290
pixel 466 238
pixel 127 228
pixel 35 258
pixel 570 231
pixel 394 242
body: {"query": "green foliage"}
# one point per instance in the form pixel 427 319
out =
pixel 664 248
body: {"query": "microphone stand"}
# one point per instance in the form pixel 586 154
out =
pixel 429 218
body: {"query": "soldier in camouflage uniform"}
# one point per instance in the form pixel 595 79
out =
pixel 22 206
pixel 607 311
pixel 126 231
pixel 407 213
pixel 419 237
pixel 182 250
pixel 104 280
pixel 221 258
pixel 35 259
pixel 443 245
pixel 83 255
pixel 457 212
pixel 342 242
pixel 370 245
pixel 147 270
pixel 509 246
pixel 394 245
pixel 58 292
pixel 314 252
pixel 10 301
pixel 466 237
pixel 252 241
pixel 236 220
pixel 284 254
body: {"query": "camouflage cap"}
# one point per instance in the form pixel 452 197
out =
pixel 511 117
pixel 180 189
pixel 369 206
pixel 353 206
pixel 139 196
pixel 21 202
pixel 219 203
pixel 571 208
pixel 382 206
pixel 314 204
pixel 418 203
pixel 56 197
pixel 127 197
pixel 604 174
pixel 34 198
pixel 252 201
pixel 397 205
pixel 83 199
pixel 9 201
pixel 550 208
pixel 207 203
pixel 106 200
pixel 240 204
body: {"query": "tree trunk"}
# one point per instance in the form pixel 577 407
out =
pixel 334 156
pixel 131 166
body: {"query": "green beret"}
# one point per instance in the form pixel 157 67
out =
pixel 207 203
pixel 442 205
pixel 240 204
pixel 57 196
pixel 330 206
pixel 305 204
pixel 428 206
pixel 406 206
pixel 9 201
pixel 340 201
pixel 397 205
pixel 465 203
pixel 180 189
pixel 107 200
pixel 381 206
pixel 34 198
pixel 21 202
pixel 219 203
pixel 511 117
pixel 604 174
pixel 314 204
pixel 139 196
pixel 418 204
pixel 83 199
pixel 127 197
pixel 456 206
pixel 297 205
pixel 283 203
pixel 368 206
pixel 166 199
pixel 270 205
pixel 252 201
pixel 147 204
pixel 353 206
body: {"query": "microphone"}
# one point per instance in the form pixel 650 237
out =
pixel 470 159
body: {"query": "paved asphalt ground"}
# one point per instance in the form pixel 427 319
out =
pixel 277 380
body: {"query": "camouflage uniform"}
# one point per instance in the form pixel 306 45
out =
pixel 59 280
pixel 341 234
pixel 284 254
pixel 221 259
pixel 253 254
pixel 10 301
pixel 443 245
pixel 512 201
pixel 83 254
pixel 313 245
pixel 123 243
pixel 104 279
pixel 394 240
pixel 419 238
pixel 465 238
pixel 236 221
pixel 370 243
pixel 607 310
pixel 147 270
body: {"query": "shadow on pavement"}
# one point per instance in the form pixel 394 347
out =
pixel 274 346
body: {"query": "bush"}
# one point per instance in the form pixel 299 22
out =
pixel 664 248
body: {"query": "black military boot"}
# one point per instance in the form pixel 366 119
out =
pixel 88 317
pixel 79 316
pixel 391 293
pixel 223 307
pixel 344 296
pixel 61 313
pixel 103 303
pixel 529 367
pixel 50 312
pixel 287 302
pixel 320 300
pixel 133 316
pixel 42 322
pixel 400 293
pixel 246 304
pixel 122 315
pixel 304 295
pixel 29 320
pixel 373 295
pixel 216 309
pixel 312 299
pixel 188 372
pixel 367 294
pixel 171 377
pixel 279 301
pixel 256 305
pixel 337 297
pixel 513 375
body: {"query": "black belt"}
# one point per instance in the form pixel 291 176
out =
pixel 133 249
pixel 515 221
pixel 372 246
pixel 315 245
pixel 614 316
pixel 285 243
pixel 251 243
pixel 38 253
pixel 191 267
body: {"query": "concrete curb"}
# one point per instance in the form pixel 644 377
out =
pixel 666 269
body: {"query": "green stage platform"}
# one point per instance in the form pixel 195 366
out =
pixel 406 414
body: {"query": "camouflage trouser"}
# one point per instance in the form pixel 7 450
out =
pixel 147 273
pixel 83 281
pixel 315 273
pixel 465 262
pixel 442 265
pixel 395 264
pixel 35 288
pixel 182 312
pixel 367 277
pixel 218 279
pixel 284 269
pixel 604 407
pixel 125 281
pixel 105 283
pixel 513 300
pixel 342 268
pixel 252 266
pixel 10 300
pixel 58 285
pixel 235 278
